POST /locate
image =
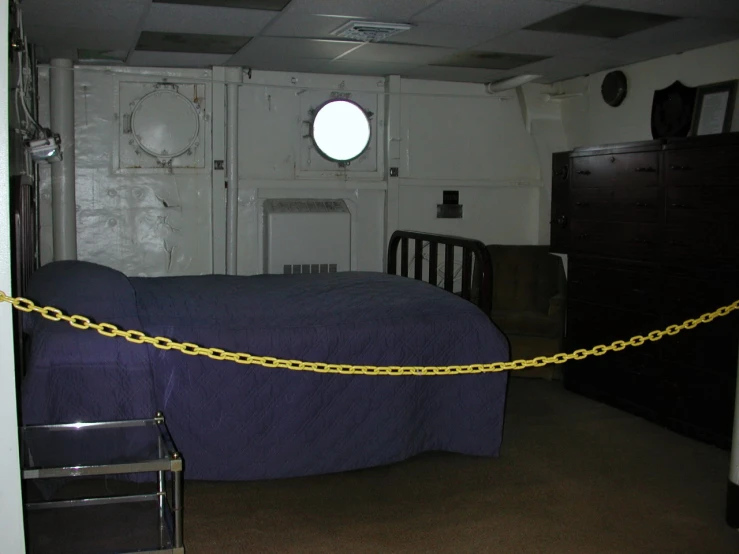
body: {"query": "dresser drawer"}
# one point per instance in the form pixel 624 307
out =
pixel 638 169
pixel 688 204
pixel 636 241
pixel 707 167
pixel 703 400
pixel 712 346
pixel 616 203
pixel 710 242
pixel 591 325
pixel 692 294
pixel 708 347
pixel 629 289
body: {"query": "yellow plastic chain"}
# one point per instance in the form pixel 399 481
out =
pixel 137 337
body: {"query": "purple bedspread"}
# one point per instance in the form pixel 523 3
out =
pixel 237 422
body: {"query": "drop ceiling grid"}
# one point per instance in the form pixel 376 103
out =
pixel 272 5
pixel 680 8
pixel 501 15
pixel 286 48
pixel 185 18
pixel 81 14
pixel 540 42
pixel 83 38
pixel 442 28
pixel 398 53
pixel 394 10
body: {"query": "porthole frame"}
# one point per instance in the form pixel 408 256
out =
pixel 314 114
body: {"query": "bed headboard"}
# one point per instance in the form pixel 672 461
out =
pixel 22 231
pixel 477 269
pixel 23 244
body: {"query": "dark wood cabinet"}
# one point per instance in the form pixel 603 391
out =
pixel 651 230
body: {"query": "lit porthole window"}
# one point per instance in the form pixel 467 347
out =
pixel 340 130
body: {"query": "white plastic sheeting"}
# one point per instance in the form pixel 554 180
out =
pixel 149 222
pixel 160 220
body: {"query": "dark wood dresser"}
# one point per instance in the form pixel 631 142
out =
pixel 651 230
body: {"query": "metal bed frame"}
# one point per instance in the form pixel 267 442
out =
pixel 477 267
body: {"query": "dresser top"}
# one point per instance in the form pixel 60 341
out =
pixel 659 144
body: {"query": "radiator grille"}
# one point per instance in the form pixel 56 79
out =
pixel 298 269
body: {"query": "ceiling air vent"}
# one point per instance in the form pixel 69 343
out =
pixel 370 31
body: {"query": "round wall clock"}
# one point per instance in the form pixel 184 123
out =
pixel 613 89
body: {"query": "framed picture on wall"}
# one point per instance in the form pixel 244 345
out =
pixel 714 108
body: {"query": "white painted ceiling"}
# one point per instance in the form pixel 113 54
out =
pixel 455 40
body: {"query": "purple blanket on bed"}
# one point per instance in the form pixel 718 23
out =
pixel 245 422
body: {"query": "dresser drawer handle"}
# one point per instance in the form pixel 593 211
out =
pixel 645 170
pixel 563 172
pixel 678 205
pixel 680 167
pixel 642 204
pixel 583 172
pixel 582 204
pixel 583 236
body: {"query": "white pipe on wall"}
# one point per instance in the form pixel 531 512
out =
pixel 233 78
pixel 63 204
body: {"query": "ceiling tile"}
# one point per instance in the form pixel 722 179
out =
pixel 175 18
pixel 425 34
pixel 85 14
pixel 679 8
pixel 600 22
pixel 102 55
pixel 186 42
pixel 563 65
pixel 276 48
pixel 680 36
pixel 345 67
pixel 448 36
pixel 539 42
pixel 488 60
pixel 273 5
pixel 501 14
pixel 44 54
pixel 610 52
pixel 463 74
pixel 303 25
pixel 391 10
pixel 398 53
pixel 72 37
pixel 175 59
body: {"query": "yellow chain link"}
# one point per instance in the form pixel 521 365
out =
pixel 190 349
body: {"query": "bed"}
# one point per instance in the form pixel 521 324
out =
pixel 239 422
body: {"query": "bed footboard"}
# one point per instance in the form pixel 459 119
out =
pixel 477 269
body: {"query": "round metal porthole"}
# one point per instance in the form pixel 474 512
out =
pixel 340 130
pixel 165 124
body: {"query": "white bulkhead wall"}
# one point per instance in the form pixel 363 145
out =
pixel 172 221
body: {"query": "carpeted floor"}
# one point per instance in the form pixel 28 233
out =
pixel 575 476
